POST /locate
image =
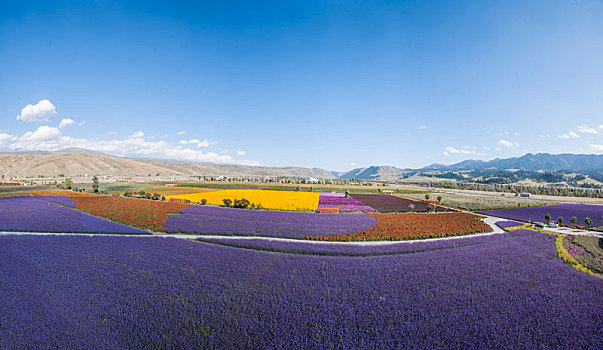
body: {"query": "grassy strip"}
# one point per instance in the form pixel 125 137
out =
pixel 567 257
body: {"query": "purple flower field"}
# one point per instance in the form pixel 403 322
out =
pixel 345 205
pixel 341 249
pixel 132 292
pixel 507 224
pixel 62 200
pixel 246 222
pixel 41 214
pixel 536 214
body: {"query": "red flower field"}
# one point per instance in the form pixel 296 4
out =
pixel 410 226
pixel 145 214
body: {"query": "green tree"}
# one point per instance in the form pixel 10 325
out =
pixel 95 184
pixel 440 199
pixel 427 196
pixel 588 221
pixel 68 183
pixel 560 220
pixel 573 220
pixel 547 217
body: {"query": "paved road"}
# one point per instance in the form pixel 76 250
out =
pixel 490 220
pixel 181 236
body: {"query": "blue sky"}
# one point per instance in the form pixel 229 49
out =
pixel 329 84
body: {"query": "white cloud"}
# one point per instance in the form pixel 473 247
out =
pixel 111 133
pixel 241 153
pixel 497 149
pixel 41 111
pixel 422 127
pixel 81 123
pixel 516 133
pixel 569 135
pixel 197 142
pixel 181 133
pixel 47 138
pixel 507 133
pixel 445 153
pixel 137 134
pixel 505 143
pixel 66 122
pixel 43 133
pixel 352 164
pixel 596 147
pixel 600 127
pixel 6 137
pixel 543 135
pixel 465 150
pixel 588 130
pixel 205 143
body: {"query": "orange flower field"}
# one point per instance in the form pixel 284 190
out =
pixel 145 214
pixel 410 226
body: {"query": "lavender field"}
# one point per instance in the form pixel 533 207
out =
pixel 245 222
pixel 43 214
pixel 508 223
pixel 509 291
pixel 343 249
pixel 536 214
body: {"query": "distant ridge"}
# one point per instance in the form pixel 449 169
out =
pixel 77 161
pixel 528 162
pixel 531 162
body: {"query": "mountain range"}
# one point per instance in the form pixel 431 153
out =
pixel 72 162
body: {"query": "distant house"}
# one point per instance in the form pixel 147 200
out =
pixel 525 194
pixel 387 191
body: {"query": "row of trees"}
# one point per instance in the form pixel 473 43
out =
pixel 587 220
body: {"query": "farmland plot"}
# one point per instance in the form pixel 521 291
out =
pixel 246 222
pixel 408 226
pixel 268 199
pixel 537 214
pixel 509 291
pixel 43 214
pixel 386 203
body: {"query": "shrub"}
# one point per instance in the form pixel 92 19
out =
pixel 203 201
pixel 227 202
pixel 241 203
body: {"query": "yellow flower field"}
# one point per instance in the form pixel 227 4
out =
pixel 173 191
pixel 269 199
